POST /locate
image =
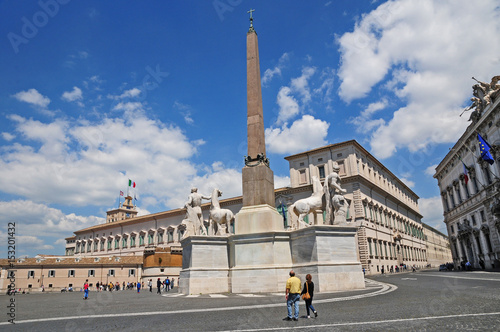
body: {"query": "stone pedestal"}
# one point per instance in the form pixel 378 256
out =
pixel 258 219
pixel 260 262
pixel 258 185
pixel 204 265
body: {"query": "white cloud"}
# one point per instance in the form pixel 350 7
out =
pixel 289 107
pixel 38 226
pixel 50 170
pixel 326 88
pixel 281 181
pixel 432 211
pixel 128 106
pixel 131 93
pixel 408 182
pixel 185 110
pixel 431 170
pixel 270 73
pixel 305 133
pixel 301 84
pixel 364 121
pixel 427 50
pixel 74 95
pixel 8 136
pixel 32 96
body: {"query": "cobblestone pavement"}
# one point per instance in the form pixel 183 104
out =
pixel 421 301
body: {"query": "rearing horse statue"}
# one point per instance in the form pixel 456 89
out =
pixel 220 219
pixel 307 205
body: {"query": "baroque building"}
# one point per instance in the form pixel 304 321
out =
pixel 470 186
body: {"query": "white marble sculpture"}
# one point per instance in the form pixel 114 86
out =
pixel 220 219
pixel 304 206
pixel 194 216
pixel 335 201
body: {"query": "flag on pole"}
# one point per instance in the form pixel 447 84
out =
pixel 485 150
pixel 121 193
pixel 466 176
pixel 131 183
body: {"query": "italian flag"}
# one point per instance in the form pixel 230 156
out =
pixel 131 183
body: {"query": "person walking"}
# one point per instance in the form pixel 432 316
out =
pixel 309 290
pixel 292 296
pixel 158 285
pixel 86 290
pixel 138 287
pixel 150 284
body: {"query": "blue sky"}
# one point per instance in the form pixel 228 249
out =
pixel 95 93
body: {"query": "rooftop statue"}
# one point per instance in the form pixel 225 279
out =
pixel 487 92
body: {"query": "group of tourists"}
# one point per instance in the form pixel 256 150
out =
pixel 116 286
pixel 294 292
pixel 166 285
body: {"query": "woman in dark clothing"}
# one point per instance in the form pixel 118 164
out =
pixel 309 288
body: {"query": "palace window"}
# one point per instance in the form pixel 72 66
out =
pixel 170 237
pixel 31 274
pixel 302 176
pixel 117 243
pixel 141 239
pixel 132 241
pixel 95 245
pixel 71 273
pixel 109 244
pixel 111 272
pixel 321 170
pixel 124 242
pixel 52 273
pixel 160 237
pixel 131 272
pixel 150 238
pixel 91 273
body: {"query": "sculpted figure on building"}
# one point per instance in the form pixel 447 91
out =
pixel 484 94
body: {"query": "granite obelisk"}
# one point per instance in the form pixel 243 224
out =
pixel 258 213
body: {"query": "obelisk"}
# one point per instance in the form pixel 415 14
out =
pixel 258 213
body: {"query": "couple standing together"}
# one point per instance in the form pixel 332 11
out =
pixel 292 295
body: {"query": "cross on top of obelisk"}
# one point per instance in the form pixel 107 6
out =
pixel 251 19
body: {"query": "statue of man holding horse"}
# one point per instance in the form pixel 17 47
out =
pixel 334 195
pixel 194 214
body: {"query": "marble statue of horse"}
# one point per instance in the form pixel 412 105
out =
pixel 220 219
pixel 304 206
